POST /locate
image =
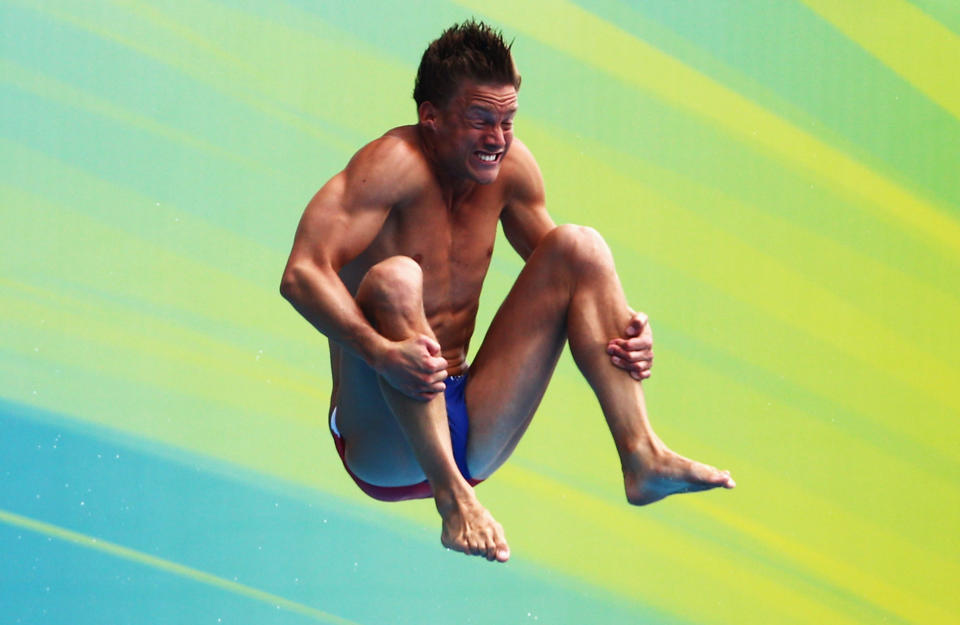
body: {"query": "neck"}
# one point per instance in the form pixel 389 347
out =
pixel 453 186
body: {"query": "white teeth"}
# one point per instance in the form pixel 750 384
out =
pixel 487 158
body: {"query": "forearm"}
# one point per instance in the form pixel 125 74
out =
pixel 319 295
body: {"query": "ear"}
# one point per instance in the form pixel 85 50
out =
pixel 428 115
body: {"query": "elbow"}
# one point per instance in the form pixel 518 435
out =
pixel 301 279
pixel 286 288
pixel 290 284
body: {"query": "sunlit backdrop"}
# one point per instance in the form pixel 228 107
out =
pixel 778 182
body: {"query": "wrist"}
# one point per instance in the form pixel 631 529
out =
pixel 373 351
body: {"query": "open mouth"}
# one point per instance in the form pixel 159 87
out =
pixel 488 157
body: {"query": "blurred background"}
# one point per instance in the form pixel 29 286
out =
pixel 778 182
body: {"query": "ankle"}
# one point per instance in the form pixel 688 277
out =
pixel 455 494
pixel 642 455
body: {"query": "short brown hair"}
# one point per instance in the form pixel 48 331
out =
pixel 471 50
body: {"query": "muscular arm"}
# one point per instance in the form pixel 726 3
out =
pixel 525 219
pixel 341 220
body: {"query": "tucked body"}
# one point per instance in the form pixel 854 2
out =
pixel 389 261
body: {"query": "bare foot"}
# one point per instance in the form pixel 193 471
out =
pixel 667 473
pixel 470 529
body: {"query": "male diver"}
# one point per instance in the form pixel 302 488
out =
pixel 388 262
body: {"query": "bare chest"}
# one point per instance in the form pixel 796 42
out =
pixel 452 243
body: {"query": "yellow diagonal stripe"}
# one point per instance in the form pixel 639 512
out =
pixel 55 531
pixel 908 41
pixel 600 44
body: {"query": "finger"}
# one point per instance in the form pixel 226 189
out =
pixel 617 347
pixel 635 327
pixel 433 365
pixel 631 356
pixel 433 387
pixel 641 367
pixel 638 344
pixel 428 388
pixel 642 345
pixel 433 348
pixel 637 365
pixel 427 395
pixel 643 356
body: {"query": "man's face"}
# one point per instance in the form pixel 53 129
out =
pixel 475 130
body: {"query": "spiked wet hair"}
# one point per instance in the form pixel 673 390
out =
pixel 468 51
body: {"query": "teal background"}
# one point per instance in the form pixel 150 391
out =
pixel 778 182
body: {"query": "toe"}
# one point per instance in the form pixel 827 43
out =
pixel 502 550
pixel 491 546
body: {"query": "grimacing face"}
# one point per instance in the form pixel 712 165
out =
pixel 475 129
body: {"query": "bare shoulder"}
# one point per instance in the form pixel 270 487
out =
pixel 522 177
pixel 386 171
pixel 525 219
pixel 345 215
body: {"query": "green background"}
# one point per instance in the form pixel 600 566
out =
pixel 779 184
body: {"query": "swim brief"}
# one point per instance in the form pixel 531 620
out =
pixel 459 423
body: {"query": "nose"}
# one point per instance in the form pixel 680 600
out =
pixel 494 138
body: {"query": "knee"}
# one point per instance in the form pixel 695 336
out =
pixel 392 286
pixel 579 247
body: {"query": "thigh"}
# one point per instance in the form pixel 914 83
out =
pixel 376 449
pixel 516 360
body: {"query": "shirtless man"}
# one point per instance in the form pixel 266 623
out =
pixel 388 262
